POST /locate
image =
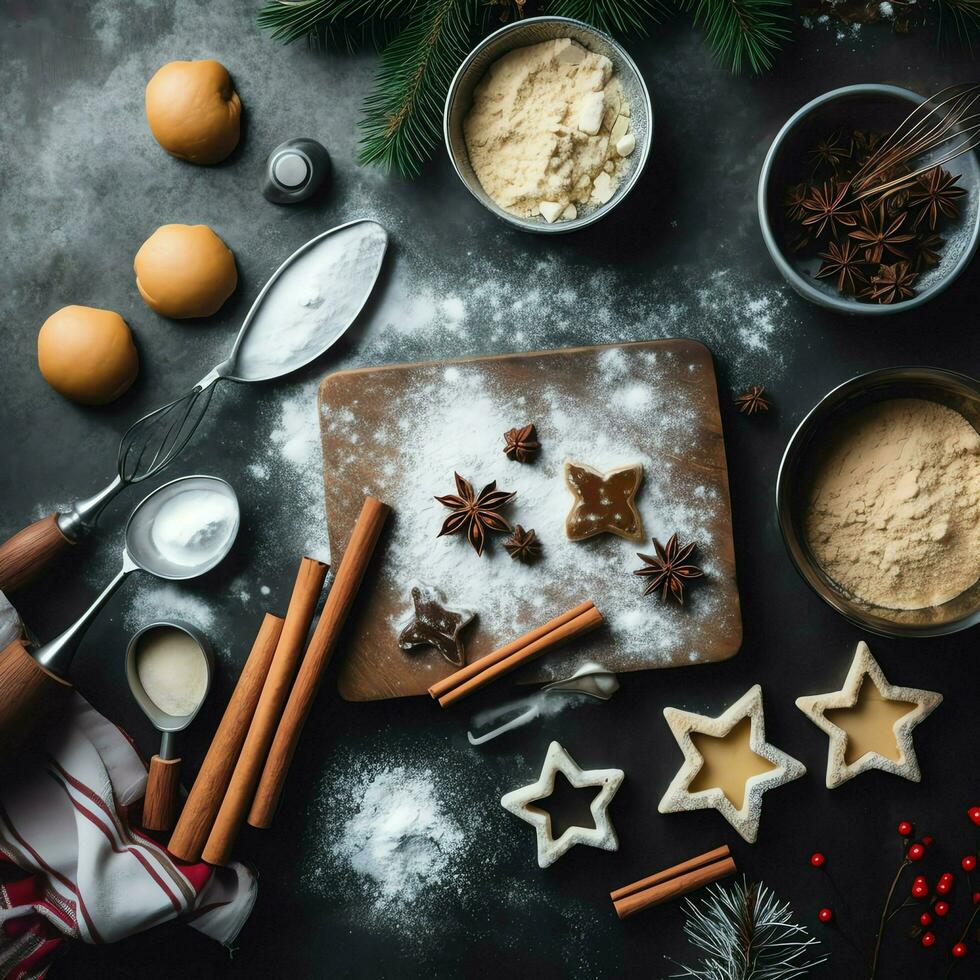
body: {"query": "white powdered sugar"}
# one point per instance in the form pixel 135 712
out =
pixel 453 419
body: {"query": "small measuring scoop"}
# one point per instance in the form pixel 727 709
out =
pixel 155 685
pixel 307 305
pixel 34 684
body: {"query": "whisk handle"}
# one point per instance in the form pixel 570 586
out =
pixel 29 552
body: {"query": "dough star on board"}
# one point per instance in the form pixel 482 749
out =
pixel 921 705
pixel 604 503
pixel 784 767
pixel 434 623
pixel 521 802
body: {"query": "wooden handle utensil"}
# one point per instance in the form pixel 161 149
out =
pixel 339 601
pixel 25 555
pixel 162 792
pixel 248 768
pixel 197 818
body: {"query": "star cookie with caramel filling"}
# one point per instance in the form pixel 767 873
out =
pixel 432 623
pixel 604 503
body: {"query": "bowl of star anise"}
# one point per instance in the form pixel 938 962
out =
pixel 869 197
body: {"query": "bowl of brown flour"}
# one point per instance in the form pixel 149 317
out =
pixel 548 123
pixel 878 501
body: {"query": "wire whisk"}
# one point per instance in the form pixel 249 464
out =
pixel 152 442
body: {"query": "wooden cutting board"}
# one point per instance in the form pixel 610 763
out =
pixel 400 432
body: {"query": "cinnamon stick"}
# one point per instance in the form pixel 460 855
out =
pixel 204 799
pixel 341 597
pixel 673 882
pixel 477 667
pixel 526 651
pixel 241 787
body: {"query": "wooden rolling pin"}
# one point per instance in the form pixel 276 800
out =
pixel 241 787
pixel 339 601
pixel 197 817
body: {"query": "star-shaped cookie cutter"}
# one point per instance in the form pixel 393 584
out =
pixel 617 491
pixel 921 705
pixel 745 820
pixel 521 802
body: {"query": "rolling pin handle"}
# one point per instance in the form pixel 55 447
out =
pixel 25 555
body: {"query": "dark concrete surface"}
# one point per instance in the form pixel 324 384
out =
pixel 82 184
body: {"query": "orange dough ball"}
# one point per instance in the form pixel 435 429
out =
pixel 185 271
pixel 87 354
pixel 194 111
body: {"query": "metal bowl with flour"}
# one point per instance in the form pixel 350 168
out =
pixel 524 33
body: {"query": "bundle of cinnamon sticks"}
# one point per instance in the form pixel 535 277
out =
pixel 246 766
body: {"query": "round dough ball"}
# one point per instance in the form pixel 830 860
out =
pixel 185 271
pixel 194 111
pixel 87 354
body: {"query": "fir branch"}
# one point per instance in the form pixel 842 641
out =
pixel 611 16
pixel 334 23
pixel 745 933
pixel 965 17
pixel 743 31
pixel 403 113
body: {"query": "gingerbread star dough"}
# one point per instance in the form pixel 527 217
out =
pixel 864 669
pixel 521 802
pixel 434 624
pixel 603 502
pixel 783 768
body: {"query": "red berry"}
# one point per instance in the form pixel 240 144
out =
pixel 959 950
pixel 941 908
pixel 928 939
pixel 974 814
pixel 928 841
pixel 916 852
pixel 817 859
pixel 946 876
pixel 976 898
pixel 920 891
pixel 905 829
pixel 825 915
pixel 969 862
pixel 925 919
pixel 943 887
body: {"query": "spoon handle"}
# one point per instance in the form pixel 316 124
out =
pixel 25 555
pixel 162 790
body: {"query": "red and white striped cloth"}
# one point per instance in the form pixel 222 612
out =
pixel 72 867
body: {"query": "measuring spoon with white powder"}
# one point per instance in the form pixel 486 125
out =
pixel 181 530
pixel 169 667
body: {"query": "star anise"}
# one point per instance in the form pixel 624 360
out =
pixel 753 401
pixel 927 251
pixel 667 570
pixel 935 195
pixel 793 201
pixel 478 514
pixel 877 233
pixel 830 152
pixel 845 261
pixel 893 283
pixel 522 444
pixel 523 545
pixel 864 144
pixel 825 207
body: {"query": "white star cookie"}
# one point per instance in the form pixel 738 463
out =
pixel 783 768
pixel 864 669
pixel 521 802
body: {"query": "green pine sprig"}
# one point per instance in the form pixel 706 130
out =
pixel 611 16
pixel 334 23
pixel 403 113
pixel 743 32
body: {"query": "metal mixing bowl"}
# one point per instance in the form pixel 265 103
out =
pixel 957 391
pixel 869 107
pixel 520 34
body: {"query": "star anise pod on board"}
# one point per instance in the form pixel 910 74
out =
pixel 523 545
pixel 846 262
pixel 667 569
pixel 477 513
pixel 753 401
pixel 893 283
pixel 830 152
pixel 793 200
pixel 935 195
pixel 825 208
pixel 522 444
pixel 876 233
pixel 927 251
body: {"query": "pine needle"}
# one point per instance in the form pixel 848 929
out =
pixel 743 32
pixel 611 16
pixel 333 23
pixel 403 114
pixel 745 933
pixel 965 15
